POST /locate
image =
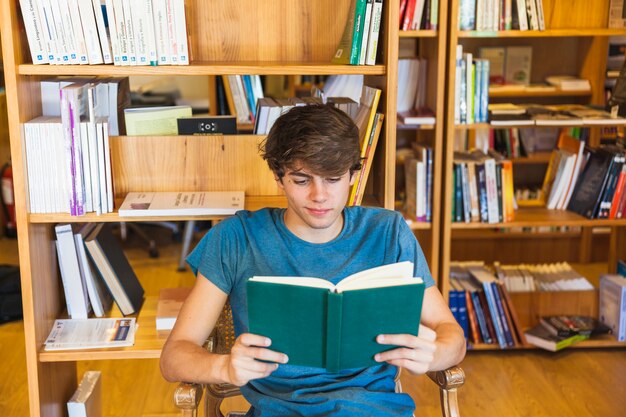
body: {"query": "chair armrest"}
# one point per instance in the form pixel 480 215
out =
pixel 448 381
pixel 222 390
pixel 187 398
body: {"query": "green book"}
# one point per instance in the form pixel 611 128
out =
pixel 330 326
pixel 349 47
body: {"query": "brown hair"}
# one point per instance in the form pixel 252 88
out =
pixel 321 137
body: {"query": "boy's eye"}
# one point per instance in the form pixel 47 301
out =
pixel 300 182
pixel 333 179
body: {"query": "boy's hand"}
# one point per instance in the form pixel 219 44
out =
pixel 244 362
pixel 415 354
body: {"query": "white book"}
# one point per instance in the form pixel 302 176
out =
pixel 30 130
pixel 149 29
pixel 522 16
pixel 469 97
pixel 417 15
pixel 70 118
pixel 99 296
pixel 102 171
pixel 76 293
pixel 161 36
pixel 48 33
pixel 131 35
pixel 77 31
pixel 113 35
pixel 193 203
pixel 366 31
pixel 138 15
pixel 120 29
pixel 34 32
pixel 492 191
pixel 374 32
pixel 180 23
pixel 68 31
pixel 103 36
pixel 94 153
pixel 63 52
pixel 107 166
pixel 86 162
pixel 90 32
pixel 54 130
pixel 91 334
pixel 171 30
pixel 561 179
pixel 613 304
pixel 87 399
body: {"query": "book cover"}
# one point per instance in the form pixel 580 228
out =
pixel 349 37
pixel 87 399
pixel 147 121
pixel 540 337
pixel 422 116
pixel 75 291
pixel 613 304
pixel 209 125
pixel 114 268
pixel 72 334
pixel 591 182
pixel 169 304
pixel 192 203
pixel 335 327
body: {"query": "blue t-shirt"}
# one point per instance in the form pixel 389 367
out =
pixel 259 243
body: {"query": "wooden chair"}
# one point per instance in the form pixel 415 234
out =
pixel 187 396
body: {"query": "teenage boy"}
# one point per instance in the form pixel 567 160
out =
pixel 313 152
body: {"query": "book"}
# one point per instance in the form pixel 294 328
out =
pixel 87 399
pixel 76 295
pixel 72 334
pixel 586 196
pixel 192 203
pixel 348 51
pixel 613 304
pixel 616 14
pixel 207 125
pixel 146 121
pixel 114 268
pixel 568 325
pixel 331 326
pixel 422 116
pixel 169 304
pixel 541 337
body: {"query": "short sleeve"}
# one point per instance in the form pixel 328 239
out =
pixel 410 250
pixel 216 254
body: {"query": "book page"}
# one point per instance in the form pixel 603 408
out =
pixel 91 333
pixel 378 283
pixel 378 274
pixel 301 281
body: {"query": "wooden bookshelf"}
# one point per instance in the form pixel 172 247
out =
pixel 580 28
pixel 284 37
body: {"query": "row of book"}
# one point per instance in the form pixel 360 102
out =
pixel 493 15
pixel 95 270
pixel 505 114
pixel 541 277
pixel 483 187
pixel 242 94
pixel 587 181
pixel 554 333
pixel 67 149
pixel 419 14
pixel 122 32
pixel 482 306
pixel 471 88
pixel 359 42
pixel 418 170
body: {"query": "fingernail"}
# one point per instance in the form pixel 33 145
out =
pixel 380 338
pixel 268 341
pixel 285 359
pixel 377 358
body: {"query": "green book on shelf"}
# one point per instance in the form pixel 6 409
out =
pixel 543 338
pixel 330 326
pixel 349 47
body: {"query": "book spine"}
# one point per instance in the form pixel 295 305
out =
pixel 47 29
pixel 76 24
pixel 138 15
pixel 131 34
pixel 357 36
pixel 103 37
pixel 63 56
pixel 112 31
pixel 372 38
pixel 149 27
pixel 90 31
pixel 34 32
pixel 171 30
pixel 501 312
pixel 161 37
pixel 366 31
pixel 480 316
pixel 181 32
pixel 333 331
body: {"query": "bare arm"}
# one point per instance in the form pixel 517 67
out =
pixel 440 343
pixel 184 359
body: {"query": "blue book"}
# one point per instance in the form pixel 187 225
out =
pixel 621 267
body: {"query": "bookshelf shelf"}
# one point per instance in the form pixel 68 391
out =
pixel 418 33
pixel 515 93
pixel 539 216
pixel 206 68
pixel 550 33
pixel 148 343
pixel 251 203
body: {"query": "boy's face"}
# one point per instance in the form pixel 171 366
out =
pixel 315 203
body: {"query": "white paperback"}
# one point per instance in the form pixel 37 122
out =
pixel 613 304
pixel 87 399
pixel 72 334
pixel 182 203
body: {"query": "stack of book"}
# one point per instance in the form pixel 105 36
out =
pixel 483 188
pixel 121 32
pixel 507 114
pixel 359 42
pixel 541 277
pixel 554 333
pixel 613 302
pixel 243 93
pixel 471 89
pixel 67 149
pixel 411 106
pixel 491 15
pixel 93 270
pixel 269 109
pixel 418 169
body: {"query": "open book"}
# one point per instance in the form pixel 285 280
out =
pixel 330 326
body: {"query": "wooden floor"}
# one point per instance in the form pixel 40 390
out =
pixel 576 383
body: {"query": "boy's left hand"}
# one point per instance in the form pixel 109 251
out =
pixel 415 353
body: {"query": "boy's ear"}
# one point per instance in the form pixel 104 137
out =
pixel 353 177
pixel 279 181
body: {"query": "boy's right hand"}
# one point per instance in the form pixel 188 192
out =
pixel 245 360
